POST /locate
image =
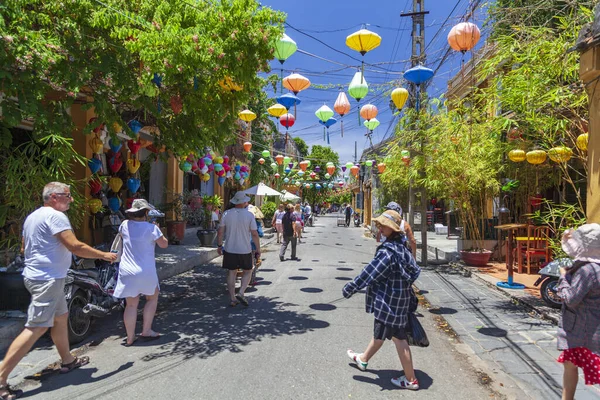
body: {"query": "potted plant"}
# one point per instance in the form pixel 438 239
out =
pixel 268 209
pixel 177 212
pixel 208 233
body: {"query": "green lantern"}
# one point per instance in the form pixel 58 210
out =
pixel 349 165
pixel 358 88
pixel 369 163
pixel 274 165
pixel 287 160
pixel 266 153
pixel 284 48
pixel 372 124
pixel 405 153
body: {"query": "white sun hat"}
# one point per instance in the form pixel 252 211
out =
pixel 239 198
pixel 583 243
pixel 140 204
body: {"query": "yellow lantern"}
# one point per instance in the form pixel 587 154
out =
pixel 363 41
pixel 96 145
pixel 277 110
pixel 296 83
pixel 133 164
pixel 399 97
pixel 582 141
pixel 517 155
pixel 117 128
pixel 95 205
pixel 560 154
pixel 206 177
pixel 247 116
pixel 115 184
pixel 536 157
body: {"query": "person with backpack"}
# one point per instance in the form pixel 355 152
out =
pixel 579 326
pixel 390 297
pixel 404 227
pixel 288 222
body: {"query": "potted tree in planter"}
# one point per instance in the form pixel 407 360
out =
pixel 268 209
pixel 177 213
pixel 208 233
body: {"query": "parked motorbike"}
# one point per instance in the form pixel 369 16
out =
pixel 356 219
pixel 548 279
pixel 89 294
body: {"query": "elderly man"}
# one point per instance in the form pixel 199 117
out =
pixel 405 227
pixel 48 242
pixel 238 228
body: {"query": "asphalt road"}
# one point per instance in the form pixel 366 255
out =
pixel 290 343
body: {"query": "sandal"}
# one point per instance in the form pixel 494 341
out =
pixel 233 303
pixel 242 299
pixel 77 362
pixel 146 338
pixel 130 344
pixel 12 393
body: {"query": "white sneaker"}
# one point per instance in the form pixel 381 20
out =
pixel 356 358
pixel 404 383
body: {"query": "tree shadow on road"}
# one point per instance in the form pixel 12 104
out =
pixel 383 378
pixel 206 325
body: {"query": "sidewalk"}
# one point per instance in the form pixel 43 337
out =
pixel 171 261
pixel 519 350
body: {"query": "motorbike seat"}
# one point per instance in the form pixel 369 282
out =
pixel 92 273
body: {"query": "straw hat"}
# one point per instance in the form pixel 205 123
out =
pixel 256 211
pixel 583 243
pixel 239 198
pixel 391 219
pixel 140 204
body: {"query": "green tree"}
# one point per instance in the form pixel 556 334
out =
pixel 321 155
pixel 302 147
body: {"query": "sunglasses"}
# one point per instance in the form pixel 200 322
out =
pixel 67 195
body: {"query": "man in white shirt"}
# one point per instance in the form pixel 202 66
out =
pixel 237 229
pixel 48 242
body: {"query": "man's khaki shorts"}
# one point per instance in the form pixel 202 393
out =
pixel 47 301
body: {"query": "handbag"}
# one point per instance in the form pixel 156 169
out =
pixel 415 332
pixel 117 246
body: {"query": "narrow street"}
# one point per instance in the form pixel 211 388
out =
pixel 289 343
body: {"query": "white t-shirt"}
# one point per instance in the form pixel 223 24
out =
pixel 238 222
pixel 307 210
pixel 45 256
pixel 139 239
pixel 279 216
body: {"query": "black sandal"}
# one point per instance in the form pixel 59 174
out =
pixel 12 393
pixel 77 362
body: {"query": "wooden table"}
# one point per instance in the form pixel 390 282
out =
pixel 510 228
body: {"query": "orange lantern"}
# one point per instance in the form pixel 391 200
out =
pixel 261 161
pixel 368 112
pixel 354 170
pixel 464 36
pixel 279 159
pixel 303 165
pixel 330 169
pixel 247 147
pixel 381 167
pixel 296 83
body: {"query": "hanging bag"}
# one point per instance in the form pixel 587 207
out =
pixel 415 332
pixel 117 245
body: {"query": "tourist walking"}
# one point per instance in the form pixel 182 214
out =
pixel 137 269
pixel 299 225
pixel 348 211
pixel 48 243
pixel 276 222
pixel 579 325
pixel 404 227
pixel 289 232
pixel 390 297
pixel 237 229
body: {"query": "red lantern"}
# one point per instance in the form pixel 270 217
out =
pixel 134 146
pixel 287 120
pixel 536 200
pixel 95 186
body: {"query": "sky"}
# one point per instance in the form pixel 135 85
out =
pixel 320 28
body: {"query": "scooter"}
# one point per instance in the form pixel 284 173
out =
pixel 89 294
pixel 356 219
pixel 548 279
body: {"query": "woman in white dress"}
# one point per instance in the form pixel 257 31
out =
pixel 137 269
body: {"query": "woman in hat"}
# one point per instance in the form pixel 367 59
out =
pixel 388 279
pixel 137 269
pixel 411 242
pixel 579 325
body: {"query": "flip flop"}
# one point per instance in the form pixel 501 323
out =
pixel 78 362
pixel 149 338
pixel 129 344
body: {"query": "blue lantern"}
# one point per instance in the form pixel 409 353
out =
pixel 135 126
pixel 133 184
pixel 114 204
pixel 288 100
pixel 95 165
pixel 418 75
pixel 221 180
pixel 115 145
pixel 327 124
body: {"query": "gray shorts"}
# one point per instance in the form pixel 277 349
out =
pixel 47 301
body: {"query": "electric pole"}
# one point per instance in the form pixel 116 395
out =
pixel 418 57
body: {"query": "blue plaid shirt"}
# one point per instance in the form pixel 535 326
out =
pixel 388 279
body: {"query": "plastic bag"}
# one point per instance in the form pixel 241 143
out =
pixel 415 332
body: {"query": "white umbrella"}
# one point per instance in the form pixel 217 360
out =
pixel 288 196
pixel 261 190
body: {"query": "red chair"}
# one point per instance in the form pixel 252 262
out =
pixel 533 248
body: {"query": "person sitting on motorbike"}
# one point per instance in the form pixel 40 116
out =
pixel 307 214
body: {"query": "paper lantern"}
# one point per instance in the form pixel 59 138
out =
pixel 95 165
pixel 330 169
pixel 300 173
pixel 399 97
pixel 303 165
pixel 560 154
pixel 247 116
pixel 286 160
pixel 135 126
pixel 349 164
pixel 247 146
pixel 381 167
pixel 517 155
pixel 115 163
pixel 134 145
pixel 324 113
pixel 464 36
pixel 354 170
pixel 405 153
pixel 185 166
pixel 133 184
pixel 536 157
pixel 296 83
pixel 363 41
pixel 327 176
pixel 368 111
pixel 284 48
pixel 372 124
pixel 369 163
pixel 418 74
pixel 287 120
pixel 342 107
pixel 277 176
pixel 358 88
pixel 312 175
pixel 133 164
pixel 277 110
pixel 582 141
pixel 288 100
pixel 115 184
pixel 279 159
pixel 96 145
pixel 261 161
pixel 274 165
pixel 95 205
pixel 115 145
pixel 266 153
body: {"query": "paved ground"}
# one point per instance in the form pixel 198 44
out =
pixel 290 342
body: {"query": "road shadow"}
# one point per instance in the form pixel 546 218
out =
pixel 383 378
pixel 443 311
pixel 207 326
pixel 311 290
